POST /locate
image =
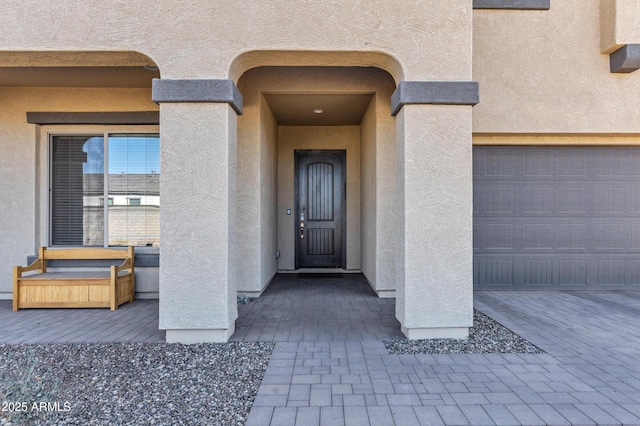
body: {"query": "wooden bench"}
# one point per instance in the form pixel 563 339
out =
pixel 108 288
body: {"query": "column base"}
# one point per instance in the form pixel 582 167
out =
pixel 436 333
pixel 189 336
pixel 386 294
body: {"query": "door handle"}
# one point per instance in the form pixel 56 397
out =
pixel 301 230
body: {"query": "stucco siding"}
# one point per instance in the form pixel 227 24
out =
pixel 24 164
pixel 436 186
pixel 17 192
pixel 268 194
pixel 388 204
pixel 542 73
pixel 421 40
pixel 249 210
pixel 368 203
pixel 198 218
pixel 620 24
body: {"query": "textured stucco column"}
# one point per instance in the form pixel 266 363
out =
pixel 197 187
pixel 434 297
pixel 619 24
pixel 620 34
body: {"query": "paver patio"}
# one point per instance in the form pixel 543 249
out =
pixel 131 322
pixel 331 367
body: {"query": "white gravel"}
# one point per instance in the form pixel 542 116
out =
pixel 131 383
pixel 485 337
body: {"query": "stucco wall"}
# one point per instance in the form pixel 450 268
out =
pixel 17 188
pixel 543 72
pixel 368 202
pixel 291 138
pixel 431 39
pixel 23 165
pixel 380 208
pixel 257 190
pixel 620 23
pixel 388 206
pixel 268 193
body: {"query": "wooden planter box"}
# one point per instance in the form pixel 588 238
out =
pixel 72 289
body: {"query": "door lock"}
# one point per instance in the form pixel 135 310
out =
pixel 301 230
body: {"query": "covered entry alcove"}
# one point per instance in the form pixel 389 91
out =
pixel 291 111
pixel 408 214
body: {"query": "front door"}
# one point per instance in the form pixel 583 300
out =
pixel 320 208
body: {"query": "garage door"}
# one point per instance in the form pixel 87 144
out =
pixel 556 218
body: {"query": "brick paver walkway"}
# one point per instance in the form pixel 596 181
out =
pixel 327 370
pixel 317 309
pixel 131 322
pixel 330 366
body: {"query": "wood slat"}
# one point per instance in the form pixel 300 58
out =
pixel 26 305
pixel 76 289
pixel 85 253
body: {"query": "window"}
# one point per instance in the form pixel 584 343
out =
pixel 122 168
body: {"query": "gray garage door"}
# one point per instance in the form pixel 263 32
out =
pixel 556 218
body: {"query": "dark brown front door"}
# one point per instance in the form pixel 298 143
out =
pixel 320 208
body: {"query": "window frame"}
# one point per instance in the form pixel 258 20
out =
pixel 44 230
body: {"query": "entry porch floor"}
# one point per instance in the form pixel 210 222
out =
pixel 330 366
pixel 317 307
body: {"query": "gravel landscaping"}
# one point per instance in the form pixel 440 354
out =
pixel 130 383
pixel 146 383
pixel 485 337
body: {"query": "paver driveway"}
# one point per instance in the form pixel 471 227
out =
pixel 330 366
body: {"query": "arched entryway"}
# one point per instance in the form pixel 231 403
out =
pixel 61 111
pixel 301 114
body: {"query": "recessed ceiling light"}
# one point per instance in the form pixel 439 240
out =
pixel 318 111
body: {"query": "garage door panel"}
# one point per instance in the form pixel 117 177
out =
pixel 535 272
pixel 494 272
pixel 560 235
pixel 573 164
pixel 497 165
pixel 571 199
pixel 613 163
pixel 556 218
pixel 565 199
pixel 556 164
pixel 494 198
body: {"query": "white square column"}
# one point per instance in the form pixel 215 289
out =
pixel 198 205
pixel 434 297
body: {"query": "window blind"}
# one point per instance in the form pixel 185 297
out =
pixel 77 187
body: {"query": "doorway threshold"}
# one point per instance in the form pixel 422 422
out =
pixel 321 271
pixel 312 275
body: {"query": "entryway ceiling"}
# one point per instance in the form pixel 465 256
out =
pixel 344 109
pixel 341 109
